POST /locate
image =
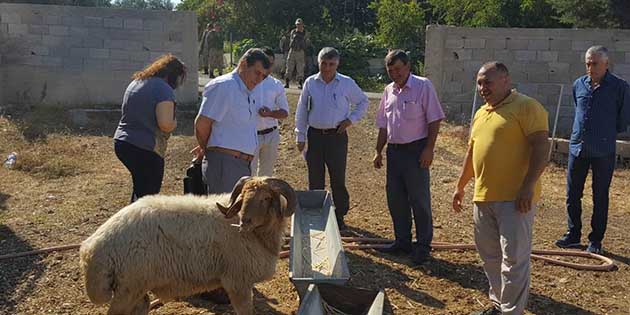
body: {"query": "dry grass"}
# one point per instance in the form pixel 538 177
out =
pixel 68 181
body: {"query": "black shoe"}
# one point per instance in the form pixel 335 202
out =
pixel 395 249
pixel 300 84
pixel 568 241
pixel 595 248
pixel 341 224
pixel 490 311
pixel 419 258
pixel 286 85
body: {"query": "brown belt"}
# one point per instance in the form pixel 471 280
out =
pixel 234 153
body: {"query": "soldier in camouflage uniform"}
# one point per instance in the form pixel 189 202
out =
pixel 298 41
pixel 211 50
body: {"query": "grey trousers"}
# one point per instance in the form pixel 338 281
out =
pixel 503 237
pixel 221 171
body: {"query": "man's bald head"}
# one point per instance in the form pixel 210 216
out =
pixel 493 82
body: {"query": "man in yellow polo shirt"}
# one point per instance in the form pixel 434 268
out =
pixel 506 155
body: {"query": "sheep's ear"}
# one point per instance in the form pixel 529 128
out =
pixel 287 192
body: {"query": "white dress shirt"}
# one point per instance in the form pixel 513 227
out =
pixel 330 104
pixel 228 102
pixel 270 93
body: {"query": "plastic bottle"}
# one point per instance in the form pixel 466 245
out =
pixel 10 161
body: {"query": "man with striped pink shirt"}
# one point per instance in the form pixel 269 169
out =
pixel 408 119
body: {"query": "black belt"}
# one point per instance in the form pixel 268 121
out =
pixel 323 131
pixel 266 131
pixel 404 145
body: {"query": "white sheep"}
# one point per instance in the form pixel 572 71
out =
pixel 175 246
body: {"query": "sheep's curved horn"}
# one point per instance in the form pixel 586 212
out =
pixel 284 189
pixel 230 210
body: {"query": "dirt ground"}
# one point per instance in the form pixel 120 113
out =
pixel 68 181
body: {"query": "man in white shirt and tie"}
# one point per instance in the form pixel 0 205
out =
pixel 322 117
pixel 272 105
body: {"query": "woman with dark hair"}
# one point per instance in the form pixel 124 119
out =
pixel 148 118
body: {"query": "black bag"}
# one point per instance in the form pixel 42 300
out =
pixel 193 181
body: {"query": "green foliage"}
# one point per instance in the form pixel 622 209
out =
pixel 241 46
pixel 400 23
pixel 594 13
pixel 495 13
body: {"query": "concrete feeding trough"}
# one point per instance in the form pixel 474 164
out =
pixel 329 299
pixel 316 249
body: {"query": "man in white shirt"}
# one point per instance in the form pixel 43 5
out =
pixel 272 105
pixel 323 114
pixel 225 127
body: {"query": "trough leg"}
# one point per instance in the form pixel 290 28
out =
pixel 242 300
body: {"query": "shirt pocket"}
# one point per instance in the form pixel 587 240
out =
pixel 412 110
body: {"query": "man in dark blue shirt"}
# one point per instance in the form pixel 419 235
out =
pixel 602 109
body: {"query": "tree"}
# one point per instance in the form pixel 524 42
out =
pixel 594 13
pixel 400 24
pixel 83 3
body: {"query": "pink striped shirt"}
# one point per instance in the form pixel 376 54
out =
pixel 406 113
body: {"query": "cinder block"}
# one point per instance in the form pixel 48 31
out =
pixel 73 41
pixel 153 55
pixel 176 47
pixel 39 50
pixel 628 57
pixel 504 55
pixel 517 44
pixel 133 24
pixel 10 18
pixel 527 88
pixel 621 68
pixel 622 45
pixel 525 55
pixel 78 31
pixel 98 32
pixel 48 61
pixel 475 43
pixel 559 44
pixel 4 28
pixel 58 30
pixel 547 55
pixel 153 25
pixel 113 22
pixel 581 45
pixel 93 21
pixel 455 54
pixel 18 29
pixel 453 87
pixel 151 45
pixel 79 52
pixel 98 53
pixel 59 51
pixel 52 19
pixel 38 29
pixel 33 19
pixel 122 44
pixel 141 56
pixel 92 42
pixel 454 43
pixel 119 54
pixel 570 56
pixel 496 44
pixel 175 36
pixel 31 60
pixel 482 54
pixel 538 44
pixel 72 20
pixel 72 63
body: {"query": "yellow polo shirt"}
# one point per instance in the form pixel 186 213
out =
pixel 500 148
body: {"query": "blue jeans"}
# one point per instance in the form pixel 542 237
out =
pixel 408 191
pixel 146 168
pixel 602 168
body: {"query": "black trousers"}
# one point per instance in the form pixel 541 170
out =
pixel 330 151
pixel 146 168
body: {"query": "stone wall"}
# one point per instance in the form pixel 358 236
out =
pixel 539 61
pixel 81 56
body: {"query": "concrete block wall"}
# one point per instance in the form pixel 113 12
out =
pixel 82 56
pixel 539 61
